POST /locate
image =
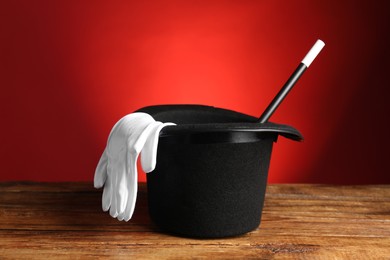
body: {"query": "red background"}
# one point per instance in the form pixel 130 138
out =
pixel 70 69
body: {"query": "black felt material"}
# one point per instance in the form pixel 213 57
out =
pixel 209 190
pixel 210 180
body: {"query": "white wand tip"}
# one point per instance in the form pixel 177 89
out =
pixel 312 54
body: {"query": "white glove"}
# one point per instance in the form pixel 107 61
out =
pixel 117 167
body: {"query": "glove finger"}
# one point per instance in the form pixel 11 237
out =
pixel 107 191
pixel 114 180
pixel 121 189
pixel 132 186
pixel 125 201
pixel 149 151
pixel 147 156
pixel 101 171
pixel 141 137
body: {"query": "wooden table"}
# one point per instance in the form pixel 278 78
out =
pixel 65 220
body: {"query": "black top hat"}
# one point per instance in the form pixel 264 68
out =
pixel 211 170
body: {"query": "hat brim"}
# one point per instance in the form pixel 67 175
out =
pixel 200 119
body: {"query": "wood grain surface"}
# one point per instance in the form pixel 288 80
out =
pixel 65 220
